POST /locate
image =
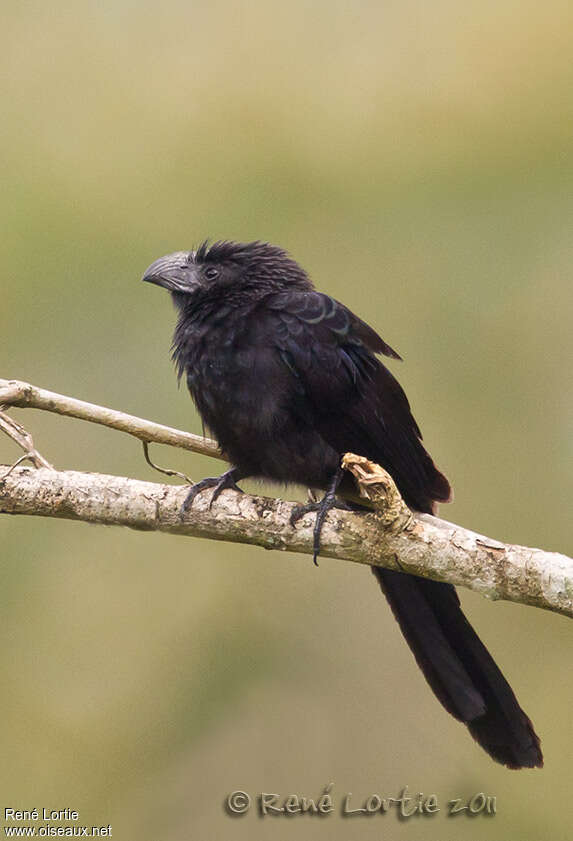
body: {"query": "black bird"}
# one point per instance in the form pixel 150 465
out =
pixel 288 380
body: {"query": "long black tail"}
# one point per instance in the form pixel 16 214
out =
pixel 459 668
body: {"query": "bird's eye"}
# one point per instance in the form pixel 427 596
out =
pixel 211 273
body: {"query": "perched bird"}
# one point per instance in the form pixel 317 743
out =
pixel 288 380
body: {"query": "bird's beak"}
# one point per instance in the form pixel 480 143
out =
pixel 173 272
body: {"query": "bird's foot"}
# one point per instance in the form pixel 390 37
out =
pixel 218 483
pixel 322 507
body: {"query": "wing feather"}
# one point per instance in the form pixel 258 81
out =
pixel 359 406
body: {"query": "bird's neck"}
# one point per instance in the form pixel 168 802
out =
pixel 201 323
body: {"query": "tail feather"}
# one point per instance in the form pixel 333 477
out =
pixel 459 668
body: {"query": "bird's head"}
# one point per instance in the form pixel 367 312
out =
pixel 225 268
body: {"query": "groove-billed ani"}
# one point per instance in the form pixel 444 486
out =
pixel 288 380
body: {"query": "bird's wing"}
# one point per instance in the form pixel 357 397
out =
pixel 359 406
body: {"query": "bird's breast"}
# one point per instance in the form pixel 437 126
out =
pixel 251 402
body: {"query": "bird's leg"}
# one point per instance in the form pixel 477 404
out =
pixel 218 483
pixel 322 508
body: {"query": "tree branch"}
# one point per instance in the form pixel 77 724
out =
pixel 22 437
pixel 26 396
pixel 391 536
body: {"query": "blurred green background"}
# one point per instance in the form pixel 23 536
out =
pixel 417 160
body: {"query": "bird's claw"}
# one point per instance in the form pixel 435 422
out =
pixel 299 512
pixel 322 507
pixel 218 483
